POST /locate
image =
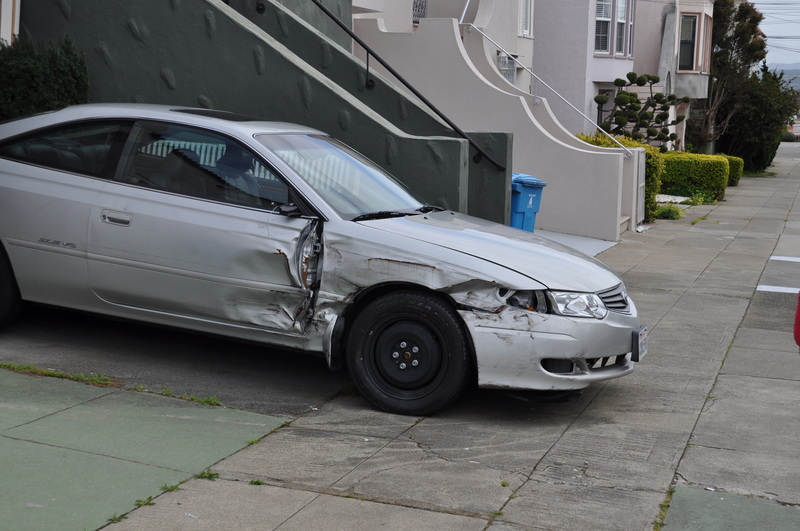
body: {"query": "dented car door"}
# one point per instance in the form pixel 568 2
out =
pixel 197 259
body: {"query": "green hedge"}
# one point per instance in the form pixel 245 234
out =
pixel 690 174
pixel 38 78
pixel 654 168
pixel 736 165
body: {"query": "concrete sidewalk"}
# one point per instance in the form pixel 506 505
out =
pixel 73 455
pixel 707 423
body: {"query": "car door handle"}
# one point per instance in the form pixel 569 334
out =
pixel 116 218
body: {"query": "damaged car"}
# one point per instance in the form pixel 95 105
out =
pixel 279 234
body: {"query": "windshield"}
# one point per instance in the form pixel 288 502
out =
pixel 350 183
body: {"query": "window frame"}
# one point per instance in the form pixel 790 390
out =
pixel 620 37
pixel 614 26
pixel 631 26
pixel 226 192
pixel 526 18
pixel 681 66
pixel 705 56
pixel 603 19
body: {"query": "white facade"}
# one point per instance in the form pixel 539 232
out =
pixel 9 20
pixel 451 56
pixel 581 48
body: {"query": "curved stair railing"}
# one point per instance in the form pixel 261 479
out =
pixel 481 153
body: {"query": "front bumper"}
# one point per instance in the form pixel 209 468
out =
pixel 519 349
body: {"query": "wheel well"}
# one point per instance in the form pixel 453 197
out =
pixel 10 300
pixel 7 261
pixel 368 295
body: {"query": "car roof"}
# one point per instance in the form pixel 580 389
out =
pixel 200 117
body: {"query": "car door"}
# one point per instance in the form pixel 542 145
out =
pixel 50 180
pixel 191 229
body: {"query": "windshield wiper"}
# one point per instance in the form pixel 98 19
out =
pixel 383 214
pixel 429 208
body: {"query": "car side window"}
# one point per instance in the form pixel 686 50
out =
pixel 90 148
pixel 200 163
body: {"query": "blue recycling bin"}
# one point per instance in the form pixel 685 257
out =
pixel 526 196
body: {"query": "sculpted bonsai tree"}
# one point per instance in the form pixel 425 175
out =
pixel 647 121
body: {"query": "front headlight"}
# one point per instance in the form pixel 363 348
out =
pixel 566 303
pixel 534 301
pixel 573 304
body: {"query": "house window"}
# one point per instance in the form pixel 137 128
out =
pixel 622 26
pixel 631 18
pixel 420 10
pixel 705 65
pixel 614 27
pixel 526 18
pixel 507 67
pixel 688 44
pixel 602 26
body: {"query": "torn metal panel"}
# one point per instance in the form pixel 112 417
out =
pixel 511 346
pixel 481 294
pixel 280 312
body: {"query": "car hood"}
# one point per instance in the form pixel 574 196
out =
pixel 549 263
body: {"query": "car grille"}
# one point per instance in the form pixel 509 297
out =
pixel 562 366
pixel 616 299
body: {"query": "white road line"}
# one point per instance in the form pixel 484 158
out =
pixel 776 289
pixel 780 289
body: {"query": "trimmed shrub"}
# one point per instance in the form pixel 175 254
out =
pixel 736 165
pixel 38 78
pixel 654 168
pixel 669 211
pixel 690 174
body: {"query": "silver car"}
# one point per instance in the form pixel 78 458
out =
pixel 276 233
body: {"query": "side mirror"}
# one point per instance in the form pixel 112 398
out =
pixel 290 210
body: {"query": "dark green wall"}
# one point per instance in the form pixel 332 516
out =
pixel 205 53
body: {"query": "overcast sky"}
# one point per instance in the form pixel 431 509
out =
pixel 781 24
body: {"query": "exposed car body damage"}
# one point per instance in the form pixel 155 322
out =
pixel 509 342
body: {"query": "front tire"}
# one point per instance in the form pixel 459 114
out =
pixel 407 353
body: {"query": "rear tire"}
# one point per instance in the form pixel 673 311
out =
pixel 10 302
pixel 407 353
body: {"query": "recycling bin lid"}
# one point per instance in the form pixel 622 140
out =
pixel 524 178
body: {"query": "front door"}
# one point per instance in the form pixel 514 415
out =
pixel 180 232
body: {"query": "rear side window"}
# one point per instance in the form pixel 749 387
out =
pixel 90 148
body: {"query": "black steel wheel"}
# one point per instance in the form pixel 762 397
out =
pixel 407 353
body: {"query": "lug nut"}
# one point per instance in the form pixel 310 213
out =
pixel 395 355
pixel 415 350
pixel 402 366
pixel 415 363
